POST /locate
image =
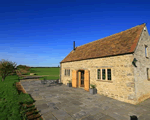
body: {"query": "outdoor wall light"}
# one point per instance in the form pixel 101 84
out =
pixel 134 61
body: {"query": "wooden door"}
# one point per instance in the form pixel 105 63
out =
pixel 86 80
pixel 74 78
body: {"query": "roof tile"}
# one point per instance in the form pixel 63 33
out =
pixel 119 43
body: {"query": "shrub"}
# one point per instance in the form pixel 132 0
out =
pixel 23 71
pixel 6 68
pixel 27 68
pixel 93 86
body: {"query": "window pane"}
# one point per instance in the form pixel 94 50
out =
pixel 69 72
pixel 98 73
pixel 65 71
pixel 146 51
pixel 103 74
pixel 147 73
pixel 109 74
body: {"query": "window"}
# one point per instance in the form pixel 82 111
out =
pixel 98 73
pixel 67 72
pixel 109 74
pixel 146 51
pixel 148 74
pixel 103 74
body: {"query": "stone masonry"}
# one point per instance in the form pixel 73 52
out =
pixel 121 87
pixel 142 85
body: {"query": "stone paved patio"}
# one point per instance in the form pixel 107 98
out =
pixel 67 103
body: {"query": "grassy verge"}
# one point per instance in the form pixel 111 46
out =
pixel 11 100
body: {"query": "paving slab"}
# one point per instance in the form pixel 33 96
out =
pixel 80 115
pixel 75 102
pixel 67 103
pixel 45 111
pixel 42 106
pixel 72 109
pixel 145 116
pixel 49 116
pixel 106 117
pixel 39 102
pixel 37 97
pixel 61 114
pixel 89 118
pixel 116 116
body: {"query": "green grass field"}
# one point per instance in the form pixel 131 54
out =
pixel 53 73
pixel 10 99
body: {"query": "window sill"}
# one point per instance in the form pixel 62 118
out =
pixel 105 81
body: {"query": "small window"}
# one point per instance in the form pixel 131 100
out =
pixel 148 74
pixel 146 51
pixel 109 74
pixel 98 73
pixel 103 74
pixel 67 72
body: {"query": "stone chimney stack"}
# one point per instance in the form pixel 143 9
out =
pixel 74 45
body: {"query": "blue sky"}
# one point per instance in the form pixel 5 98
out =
pixel 40 33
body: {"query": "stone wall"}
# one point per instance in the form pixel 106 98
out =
pixel 142 86
pixel 121 87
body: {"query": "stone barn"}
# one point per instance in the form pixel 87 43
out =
pixel 119 65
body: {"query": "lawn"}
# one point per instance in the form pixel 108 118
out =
pixel 51 73
pixel 11 99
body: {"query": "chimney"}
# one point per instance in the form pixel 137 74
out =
pixel 74 45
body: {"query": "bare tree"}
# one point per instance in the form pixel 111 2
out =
pixel 6 68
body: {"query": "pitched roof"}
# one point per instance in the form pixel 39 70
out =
pixel 119 43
